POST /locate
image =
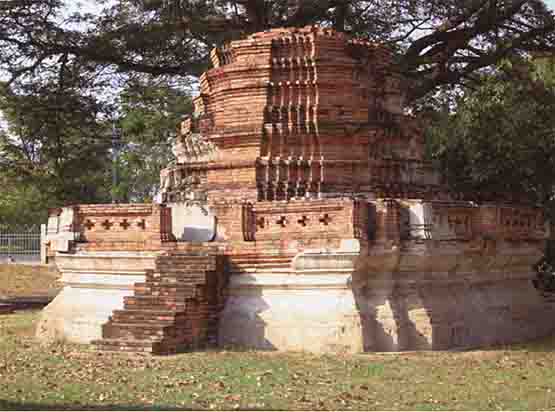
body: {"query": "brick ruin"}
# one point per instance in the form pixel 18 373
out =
pixel 299 215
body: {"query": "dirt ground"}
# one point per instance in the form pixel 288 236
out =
pixel 26 280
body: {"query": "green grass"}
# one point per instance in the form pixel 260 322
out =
pixel 64 376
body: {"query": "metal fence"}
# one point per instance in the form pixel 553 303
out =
pixel 20 244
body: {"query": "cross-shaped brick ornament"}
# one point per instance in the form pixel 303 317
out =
pixel 142 224
pixel 326 219
pixel 261 222
pixel 303 221
pixel 89 224
pixel 125 224
pixel 282 221
pixel 107 224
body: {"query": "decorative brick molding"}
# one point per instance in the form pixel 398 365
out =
pixel 511 222
pixel 464 221
pixel 335 218
pixel 145 224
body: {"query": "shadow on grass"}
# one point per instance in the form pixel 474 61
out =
pixel 34 406
pixel 542 345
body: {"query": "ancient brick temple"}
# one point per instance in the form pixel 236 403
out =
pixel 299 215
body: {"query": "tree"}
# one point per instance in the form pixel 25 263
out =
pixel 54 146
pixel 500 140
pixel 22 205
pixel 150 113
pixel 439 42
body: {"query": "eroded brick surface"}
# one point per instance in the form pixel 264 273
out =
pixel 301 113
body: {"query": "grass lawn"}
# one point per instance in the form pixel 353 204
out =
pixel 66 376
pixel 25 280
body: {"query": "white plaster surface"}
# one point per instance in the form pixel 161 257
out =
pixel 420 299
pixel 192 223
pixel 302 313
pixel 86 280
pixel 59 230
pixel 94 286
pixel 383 312
pixel 77 314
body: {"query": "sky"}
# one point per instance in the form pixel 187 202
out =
pixel 550 3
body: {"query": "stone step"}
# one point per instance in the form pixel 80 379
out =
pixel 183 295
pixel 197 260
pixel 122 318
pixel 170 282
pixel 173 288
pixel 173 282
pixel 155 300
pixel 141 320
pixel 170 286
pixel 142 316
pixel 156 347
pixel 255 257
pixel 266 265
pixel 187 256
pixel 166 294
pixel 176 273
pixel 169 268
pixel 137 331
pixel 125 345
pixel 176 307
pixel 174 270
pixel 144 303
pixel 166 315
pixel 261 262
pixel 176 276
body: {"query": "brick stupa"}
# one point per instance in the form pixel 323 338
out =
pixel 299 215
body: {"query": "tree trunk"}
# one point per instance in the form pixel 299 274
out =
pixel 340 15
pixel 256 11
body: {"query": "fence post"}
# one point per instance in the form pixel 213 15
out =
pixel 10 243
pixel 43 257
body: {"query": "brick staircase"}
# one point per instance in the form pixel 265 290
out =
pixel 175 310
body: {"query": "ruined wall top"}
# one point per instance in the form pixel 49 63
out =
pixel 303 79
pixel 291 42
pixel 296 95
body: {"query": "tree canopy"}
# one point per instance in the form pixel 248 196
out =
pixel 54 147
pixel 500 139
pixel 439 42
pixel 150 113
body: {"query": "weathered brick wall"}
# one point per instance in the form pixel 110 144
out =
pixel 122 226
pixel 299 220
pixel 313 111
pixel 510 222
